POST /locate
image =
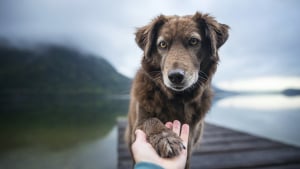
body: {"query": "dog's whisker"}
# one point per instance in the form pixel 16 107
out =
pixel 202 78
pixel 155 75
pixel 203 74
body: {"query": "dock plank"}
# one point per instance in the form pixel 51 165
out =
pixel 223 148
pixel 246 159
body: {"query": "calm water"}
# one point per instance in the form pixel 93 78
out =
pixel 73 132
pixel 273 116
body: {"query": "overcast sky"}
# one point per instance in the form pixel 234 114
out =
pixel 264 37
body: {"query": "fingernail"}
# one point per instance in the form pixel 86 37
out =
pixel 183 146
pixel 176 123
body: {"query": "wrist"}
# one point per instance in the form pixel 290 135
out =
pixel 147 165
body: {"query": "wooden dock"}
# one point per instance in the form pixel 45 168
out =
pixel 223 148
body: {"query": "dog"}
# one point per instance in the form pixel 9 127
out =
pixel 180 57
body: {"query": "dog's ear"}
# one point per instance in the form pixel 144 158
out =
pixel 147 35
pixel 215 33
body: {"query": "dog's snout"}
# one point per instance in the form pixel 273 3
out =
pixel 176 76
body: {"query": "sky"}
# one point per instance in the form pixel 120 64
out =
pixel 263 39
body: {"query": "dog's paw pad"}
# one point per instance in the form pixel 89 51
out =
pixel 167 144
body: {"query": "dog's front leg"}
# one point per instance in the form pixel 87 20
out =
pixel 166 143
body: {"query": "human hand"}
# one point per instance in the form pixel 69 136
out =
pixel 144 152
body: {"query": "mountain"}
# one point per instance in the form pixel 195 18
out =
pixel 291 92
pixel 57 69
pixel 220 94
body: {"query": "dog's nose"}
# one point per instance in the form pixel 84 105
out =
pixel 176 76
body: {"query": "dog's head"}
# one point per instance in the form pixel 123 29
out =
pixel 181 52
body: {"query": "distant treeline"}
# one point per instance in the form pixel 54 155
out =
pixel 57 69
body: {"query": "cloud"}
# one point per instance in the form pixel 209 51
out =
pixel 263 40
pixel 263 37
pixel 261 84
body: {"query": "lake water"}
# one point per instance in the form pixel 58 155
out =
pixel 73 132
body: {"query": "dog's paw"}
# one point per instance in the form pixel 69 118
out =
pixel 167 144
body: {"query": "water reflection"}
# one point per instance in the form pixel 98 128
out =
pixel 273 116
pixel 65 131
pixel 92 155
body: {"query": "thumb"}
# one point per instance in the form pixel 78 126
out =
pixel 140 136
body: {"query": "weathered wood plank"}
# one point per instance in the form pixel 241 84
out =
pixel 246 159
pixel 258 144
pixel 223 148
pixel 286 166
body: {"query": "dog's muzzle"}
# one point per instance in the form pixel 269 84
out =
pixel 179 80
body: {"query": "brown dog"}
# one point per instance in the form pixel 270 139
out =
pixel 180 58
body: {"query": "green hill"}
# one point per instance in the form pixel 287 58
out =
pixel 55 97
pixel 57 69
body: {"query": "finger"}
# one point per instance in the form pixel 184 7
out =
pixel 176 127
pixel 140 136
pixel 185 130
pixel 169 125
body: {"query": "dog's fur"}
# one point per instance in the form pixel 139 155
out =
pixel 188 46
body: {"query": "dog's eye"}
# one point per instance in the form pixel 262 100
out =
pixel 194 42
pixel 162 44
